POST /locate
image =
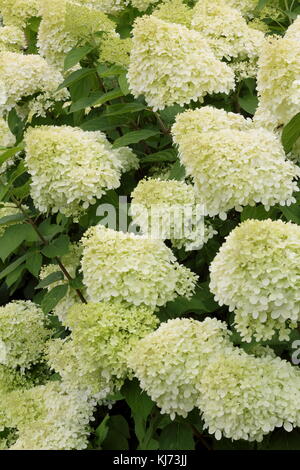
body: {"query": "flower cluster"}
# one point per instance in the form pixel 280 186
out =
pixel 94 357
pixel 48 417
pixel 63 23
pixel 12 39
pixel 168 362
pixel 256 273
pixel 133 268
pixel 227 33
pixel 22 334
pixel 71 168
pixel 7 139
pixel 174 11
pixel 18 12
pixel 115 50
pixel 169 210
pixel 278 81
pixel 244 397
pixel 171 64
pixel 25 75
pixel 233 164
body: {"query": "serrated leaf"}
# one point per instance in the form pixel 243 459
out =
pixel 51 299
pixel 134 137
pixel 75 77
pixel 177 172
pixel 9 153
pixel 291 213
pixel 34 263
pixel 53 277
pixel 103 71
pixel 59 247
pixel 104 123
pixel 8 219
pixel 12 266
pixel 177 436
pixel 249 103
pixel 85 102
pixel 124 108
pixel 13 237
pixel 110 95
pixel 291 133
pixel 14 275
pixel 123 84
pixel 75 55
pixel 169 155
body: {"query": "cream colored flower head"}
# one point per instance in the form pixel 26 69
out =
pixel 256 273
pixel 233 164
pixel 71 168
pixel 172 64
pixel 137 269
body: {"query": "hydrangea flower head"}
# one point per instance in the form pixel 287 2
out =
pixel 172 64
pixel 256 273
pixel 22 334
pixel 137 269
pixel 70 168
pixel 232 163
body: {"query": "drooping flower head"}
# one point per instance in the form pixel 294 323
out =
pixel 71 168
pixel 171 64
pixel 22 334
pixel 169 210
pixel 25 75
pixel 169 361
pixel 256 273
pixel 133 268
pixel 232 163
pixel 94 357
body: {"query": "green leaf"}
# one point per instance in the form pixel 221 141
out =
pixel 177 436
pixel 59 247
pixel 249 103
pixel 49 230
pixel 103 71
pixel 291 133
pixel 123 84
pixel 75 55
pixel 102 431
pixel 140 405
pixel 257 212
pixel 12 266
pixel 51 299
pixel 124 108
pixel 134 137
pixel 177 172
pixel 110 95
pixel 169 155
pixel 8 219
pixel 85 102
pixel 34 263
pixel 14 275
pixel 261 4
pixel 104 123
pixel 9 153
pixel 291 213
pixel 75 77
pixel 13 237
pixel 53 277
pixel 118 434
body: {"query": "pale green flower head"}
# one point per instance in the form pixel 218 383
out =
pixel 115 50
pixel 71 168
pixel 169 361
pixel 94 358
pixel 64 23
pixel 244 397
pixel 168 209
pixel 256 273
pixel 134 268
pixel 18 12
pixel 278 81
pixel 49 417
pixel 232 163
pixel 25 75
pixel 174 11
pixel 12 39
pixel 170 64
pixel 23 334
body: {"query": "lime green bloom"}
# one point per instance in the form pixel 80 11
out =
pixel 256 273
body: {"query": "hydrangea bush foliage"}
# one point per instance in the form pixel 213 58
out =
pixel 111 338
